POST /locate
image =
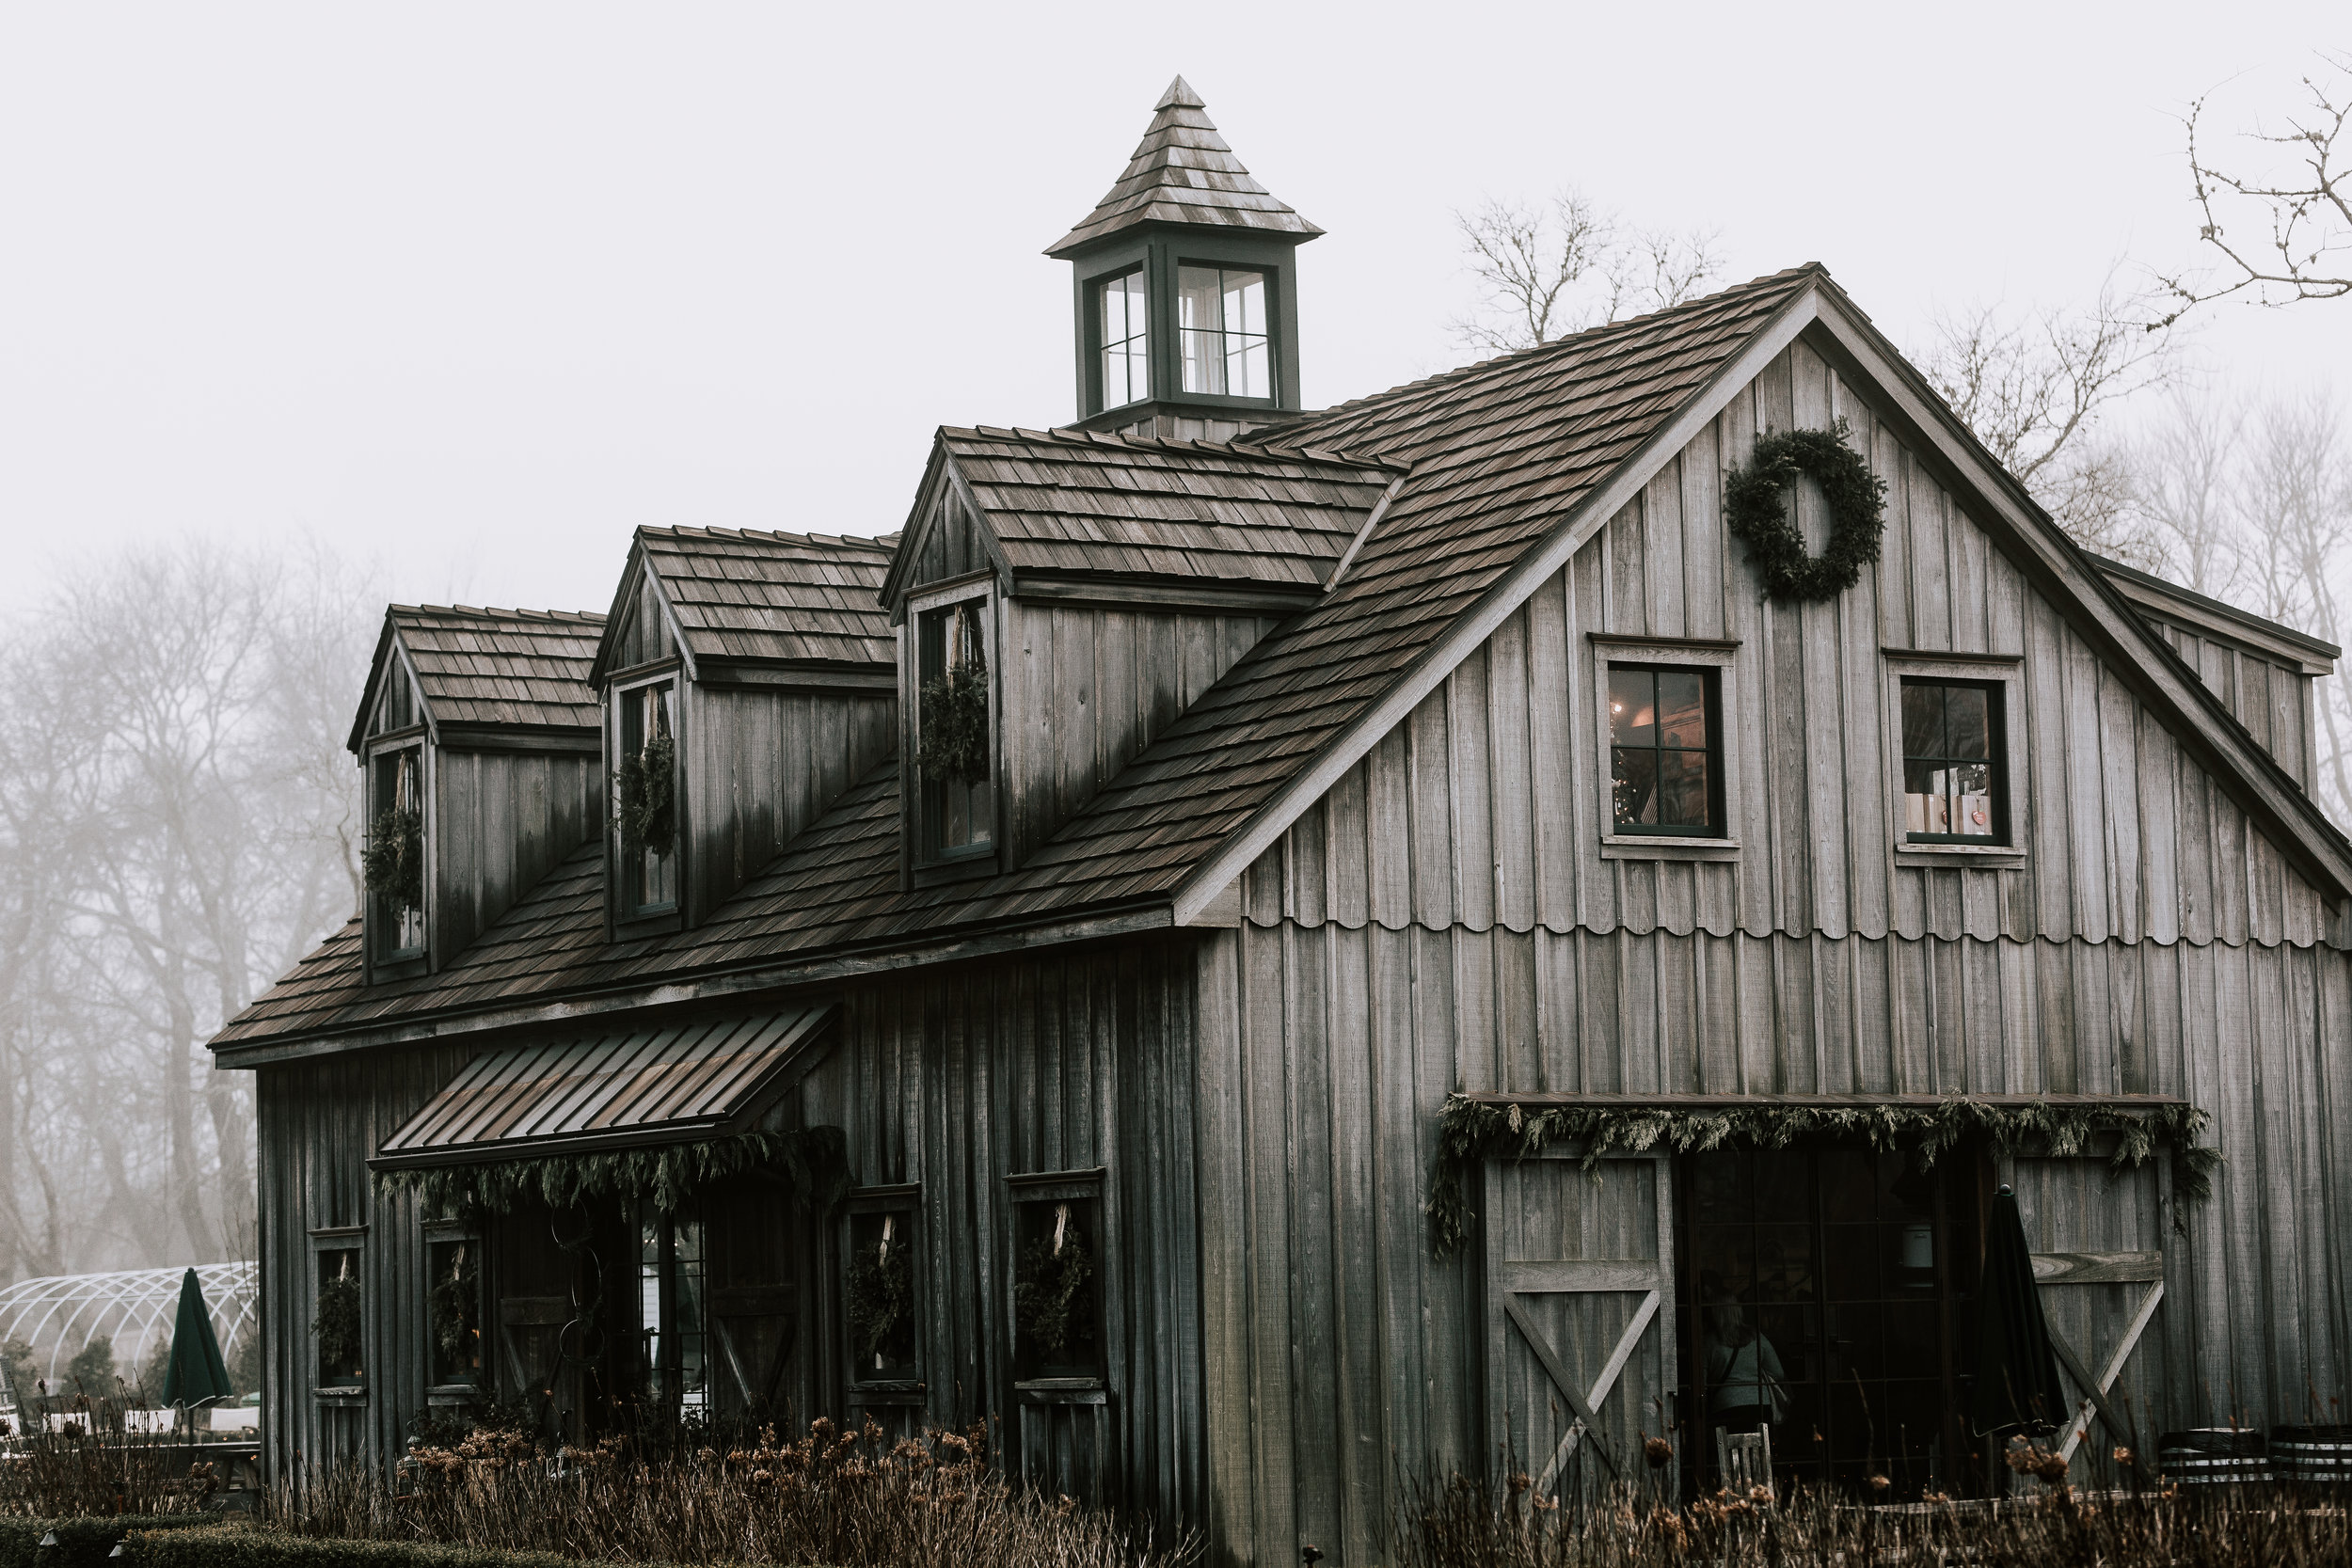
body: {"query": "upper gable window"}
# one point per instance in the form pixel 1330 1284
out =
pixel 1665 750
pixel 955 731
pixel 1221 318
pixel 395 853
pixel 1953 789
pixel 1126 339
pixel 645 789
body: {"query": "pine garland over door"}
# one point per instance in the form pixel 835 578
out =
pixel 814 1159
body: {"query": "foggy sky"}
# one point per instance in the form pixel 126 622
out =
pixel 479 287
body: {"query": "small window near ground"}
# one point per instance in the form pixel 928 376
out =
pixel 955 731
pixel 645 807
pixel 1221 320
pixel 1665 751
pixel 878 1292
pixel 1126 339
pixel 1057 1296
pixel 1952 764
pixel 673 1324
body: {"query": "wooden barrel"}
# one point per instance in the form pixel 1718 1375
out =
pixel 2209 1456
pixel 2313 1456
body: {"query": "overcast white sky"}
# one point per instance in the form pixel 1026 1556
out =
pixel 482 287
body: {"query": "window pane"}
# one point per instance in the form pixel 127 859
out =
pixel 1632 714
pixel 1681 709
pixel 1923 721
pixel 1221 327
pixel 1123 335
pixel 1635 771
pixel 1245 302
pixel 1682 789
pixel 1925 808
pixel 1967 723
pixel 1972 804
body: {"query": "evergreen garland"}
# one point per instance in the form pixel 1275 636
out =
pixel 1051 1299
pixel 1756 510
pixel 952 725
pixel 648 789
pixel 1472 1132
pixel 816 1159
pixel 337 1324
pixel 393 861
pixel 880 1292
pixel 455 1305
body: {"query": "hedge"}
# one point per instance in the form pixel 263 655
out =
pixel 82 1542
pixel 243 1546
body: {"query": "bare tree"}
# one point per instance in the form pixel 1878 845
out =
pixel 1547 270
pixel 2183 473
pixel 2282 227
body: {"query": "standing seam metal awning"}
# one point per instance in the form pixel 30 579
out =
pixel 672 1085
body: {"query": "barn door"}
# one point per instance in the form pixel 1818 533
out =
pixel 2097 1239
pixel 1579 1317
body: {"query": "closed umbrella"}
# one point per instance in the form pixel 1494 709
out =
pixel 196 1375
pixel 2017 1377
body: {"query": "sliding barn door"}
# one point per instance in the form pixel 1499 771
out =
pixel 1579 1319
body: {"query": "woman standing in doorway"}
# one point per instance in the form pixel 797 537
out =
pixel 1742 1368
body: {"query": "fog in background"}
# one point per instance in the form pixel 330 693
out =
pixel 304 308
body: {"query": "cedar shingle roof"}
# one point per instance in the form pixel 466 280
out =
pixel 806 597
pixel 1065 500
pixel 505 667
pixel 1184 173
pixel 1498 455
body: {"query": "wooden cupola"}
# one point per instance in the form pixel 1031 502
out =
pixel 1186 288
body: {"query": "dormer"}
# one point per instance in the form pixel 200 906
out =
pixel 1061 597
pixel 1186 282
pixel 747 680
pixel 477 740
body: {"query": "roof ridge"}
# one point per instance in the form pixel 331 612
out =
pixel 769 536
pixel 485 613
pixel 1080 435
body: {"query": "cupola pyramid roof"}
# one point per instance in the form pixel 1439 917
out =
pixel 1184 173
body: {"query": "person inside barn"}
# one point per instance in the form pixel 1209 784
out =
pixel 1742 1367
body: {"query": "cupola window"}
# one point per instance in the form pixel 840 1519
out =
pixel 1221 320
pixel 955 731
pixel 647 805
pixel 1126 341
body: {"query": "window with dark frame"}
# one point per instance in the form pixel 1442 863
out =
pixel 1221 326
pixel 396 805
pixel 1058 1261
pixel 647 718
pixel 674 1337
pixel 1123 320
pixel 1953 786
pixel 453 1311
pixel 879 1296
pixel 1665 751
pixel 957 819
pixel 338 1318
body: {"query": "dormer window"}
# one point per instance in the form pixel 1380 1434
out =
pixel 646 799
pixel 395 853
pixel 1126 339
pixel 955 731
pixel 1222 323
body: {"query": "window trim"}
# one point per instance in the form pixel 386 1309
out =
pixel 351 1240
pixel 1034 1384
pixel 970 858
pixel 1721 658
pixel 442 1232
pixel 895 1198
pixel 387 963
pixel 1098 344
pixel 1273 334
pixel 626 915
pixel 2005 670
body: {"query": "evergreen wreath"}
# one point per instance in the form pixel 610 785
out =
pixel 337 1323
pixel 1472 1132
pixel 456 1305
pixel 393 861
pixel 1756 510
pixel 1051 1299
pixel 648 790
pixel 953 725
pixel 881 1299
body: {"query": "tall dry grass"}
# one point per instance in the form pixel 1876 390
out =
pixel 96 1467
pixel 835 1496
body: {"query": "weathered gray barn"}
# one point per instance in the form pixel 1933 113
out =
pixel 1149 849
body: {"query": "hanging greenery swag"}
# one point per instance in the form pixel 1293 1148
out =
pixel 393 861
pixel 647 783
pixel 881 1295
pixel 337 1323
pixel 1472 1132
pixel 456 1305
pixel 814 1159
pixel 1050 1297
pixel 1754 507
pixel 953 723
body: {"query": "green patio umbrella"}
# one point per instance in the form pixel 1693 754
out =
pixel 196 1374
pixel 2017 1377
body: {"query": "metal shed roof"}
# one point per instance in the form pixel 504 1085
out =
pixel 670 1084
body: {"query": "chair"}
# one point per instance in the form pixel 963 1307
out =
pixel 1744 1459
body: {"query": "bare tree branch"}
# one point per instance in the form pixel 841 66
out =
pixel 1546 271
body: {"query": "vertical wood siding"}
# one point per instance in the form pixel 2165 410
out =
pixel 502 822
pixel 763 765
pixel 2274 700
pixel 958 1079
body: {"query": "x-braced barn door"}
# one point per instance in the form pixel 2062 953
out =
pixel 1579 1317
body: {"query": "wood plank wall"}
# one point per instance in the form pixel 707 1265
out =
pixel 502 822
pixel 959 1078
pixel 761 765
pixel 1086 688
pixel 1445 920
pixel 2272 698
pixel 317 1124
